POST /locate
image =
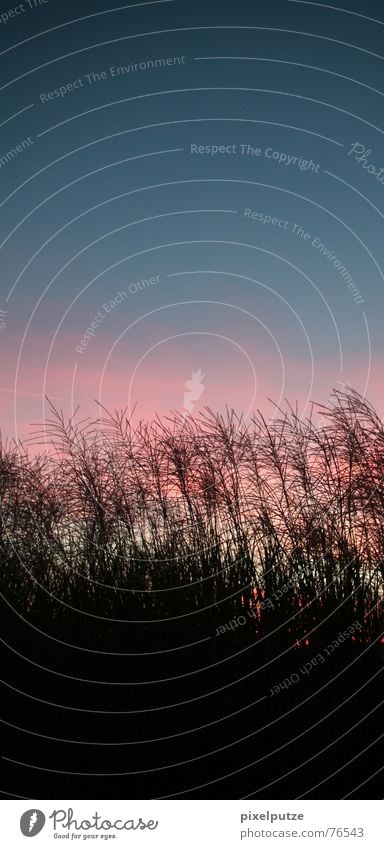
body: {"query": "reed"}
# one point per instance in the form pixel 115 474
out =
pixel 200 520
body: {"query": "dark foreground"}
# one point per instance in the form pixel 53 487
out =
pixel 194 609
pixel 230 721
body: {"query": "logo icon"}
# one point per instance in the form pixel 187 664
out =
pixel 195 389
pixel 32 822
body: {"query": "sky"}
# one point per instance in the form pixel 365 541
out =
pixel 191 206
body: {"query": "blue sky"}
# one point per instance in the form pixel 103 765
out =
pixel 108 193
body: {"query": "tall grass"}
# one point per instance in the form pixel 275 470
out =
pixel 197 520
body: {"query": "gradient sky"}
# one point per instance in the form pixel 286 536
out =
pixel 107 192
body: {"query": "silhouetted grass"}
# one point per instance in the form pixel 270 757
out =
pixel 197 521
pixel 159 583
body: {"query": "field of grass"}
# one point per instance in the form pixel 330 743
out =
pixel 211 516
pixel 196 563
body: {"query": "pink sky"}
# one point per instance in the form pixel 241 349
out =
pixel 156 384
